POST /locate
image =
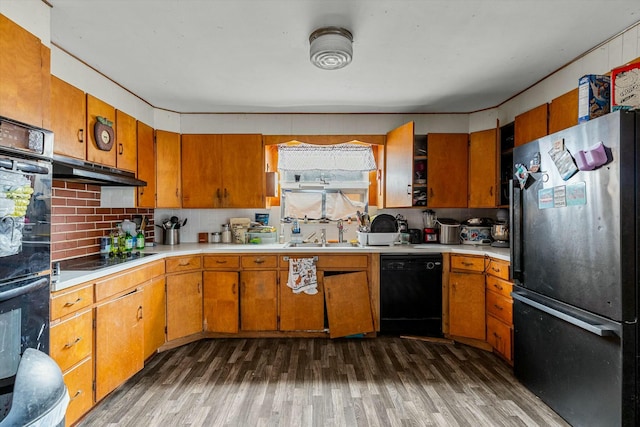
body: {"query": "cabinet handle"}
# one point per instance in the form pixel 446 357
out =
pixel 71 344
pixel 220 261
pixel 409 193
pixel 225 193
pixel 75 396
pixel 199 287
pixel 81 136
pixel 467 264
pixel 233 288
pixel 498 287
pixel 218 194
pixel 141 190
pixel 498 307
pixel 69 304
pixel 139 312
pixel 259 261
pixel 177 194
pixel 120 149
pixel 497 270
pixel 430 193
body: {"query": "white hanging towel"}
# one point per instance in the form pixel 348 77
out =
pixel 302 276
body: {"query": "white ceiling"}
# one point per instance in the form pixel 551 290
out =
pixel 409 55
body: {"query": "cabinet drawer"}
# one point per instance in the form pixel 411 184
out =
pixel 499 336
pixel 79 382
pixel 71 340
pixel 259 261
pixel 185 263
pixel 63 303
pixel 221 261
pixel 498 268
pixel 500 307
pixel 467 263
pixel 128 279
pixel 500 286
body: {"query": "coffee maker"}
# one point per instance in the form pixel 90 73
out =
pixel 430 221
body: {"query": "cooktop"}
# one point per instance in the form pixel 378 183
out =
pixel 98 261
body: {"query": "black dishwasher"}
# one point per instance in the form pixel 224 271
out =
pixel 411 294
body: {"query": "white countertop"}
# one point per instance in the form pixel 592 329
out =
pixel 72 278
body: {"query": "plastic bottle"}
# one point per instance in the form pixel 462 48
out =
pixel 140 240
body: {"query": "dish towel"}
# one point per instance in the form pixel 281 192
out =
pixel 302 276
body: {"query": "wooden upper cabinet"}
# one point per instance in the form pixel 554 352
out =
pixel 126 142
pixel 483 168
pixel 167 169
pixel 531 125
pixel 146 196
pixel 223 171
pixel 98 108
pixel 447 170
pixel 68 113
pixel 24 75
pixel 399 167
pixel 202 171
pixel 563 111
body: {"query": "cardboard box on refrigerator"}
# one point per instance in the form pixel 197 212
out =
pixel 625 82
pixel 593 97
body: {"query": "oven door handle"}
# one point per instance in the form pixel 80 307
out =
pixel 33 286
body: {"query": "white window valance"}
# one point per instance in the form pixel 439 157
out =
pixel 306 157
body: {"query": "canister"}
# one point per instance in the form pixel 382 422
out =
pixel 226 233
pixel 216 237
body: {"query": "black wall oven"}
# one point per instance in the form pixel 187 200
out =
pixel 25 247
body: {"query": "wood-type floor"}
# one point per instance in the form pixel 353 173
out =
pixel 387 381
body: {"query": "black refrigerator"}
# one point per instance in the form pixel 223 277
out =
pixel 574 250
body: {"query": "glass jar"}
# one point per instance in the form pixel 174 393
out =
pixel 216 237
pixel 226 233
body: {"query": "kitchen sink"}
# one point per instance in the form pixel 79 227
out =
pixel 318 245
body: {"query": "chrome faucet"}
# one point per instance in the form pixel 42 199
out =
pixel 323 237
pixel 340 231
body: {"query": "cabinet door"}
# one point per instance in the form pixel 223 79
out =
pixel 167 169
pixel 146 166
pixel 79 382
pixel 126 142
pixel 184 305
pixel 300 312
pixel 531 125
pixel 483 169
pixel 69 106
pixel 243 171
pixel 399 167
pixel 259 301
pixel 466 305
pixel 119 349
pixel 447 170
pixel 221 310
pixel 348 304
pixel 202 164
pixel 563 111
pixel 24 75
pixel 98 108
pixel 155 319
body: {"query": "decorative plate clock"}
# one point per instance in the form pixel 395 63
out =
pixel 103 133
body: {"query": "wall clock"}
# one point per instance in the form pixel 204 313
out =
pixel 103 133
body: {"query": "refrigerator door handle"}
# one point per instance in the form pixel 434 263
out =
pixel 515 219
pixel 597 329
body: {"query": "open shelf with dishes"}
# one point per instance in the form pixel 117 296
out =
pixel 419 170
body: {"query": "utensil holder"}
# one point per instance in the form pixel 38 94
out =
pixel 171 236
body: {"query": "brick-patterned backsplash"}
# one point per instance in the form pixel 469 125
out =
pixel 78 221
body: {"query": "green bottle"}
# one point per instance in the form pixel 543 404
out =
pixel 140 240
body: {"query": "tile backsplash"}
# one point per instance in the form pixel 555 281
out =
pixel 78 220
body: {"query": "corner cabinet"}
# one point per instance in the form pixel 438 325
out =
pixel 223 171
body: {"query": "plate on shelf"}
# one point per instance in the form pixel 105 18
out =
pixel 384 223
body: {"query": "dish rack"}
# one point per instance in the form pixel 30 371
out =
pixel 378 239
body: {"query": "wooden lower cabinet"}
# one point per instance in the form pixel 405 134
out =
pixel 79 382
pixel 467 305
pixel 300 312
pixel 259 300
pixel 499 308
pixel 184 304
pixel 154 314
pixel 348 304
pixel 119 349
pixel 221 309
pixel 72 340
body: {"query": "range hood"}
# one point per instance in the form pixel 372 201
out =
pixel 75 170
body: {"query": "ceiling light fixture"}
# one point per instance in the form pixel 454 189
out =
pixel 331 48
